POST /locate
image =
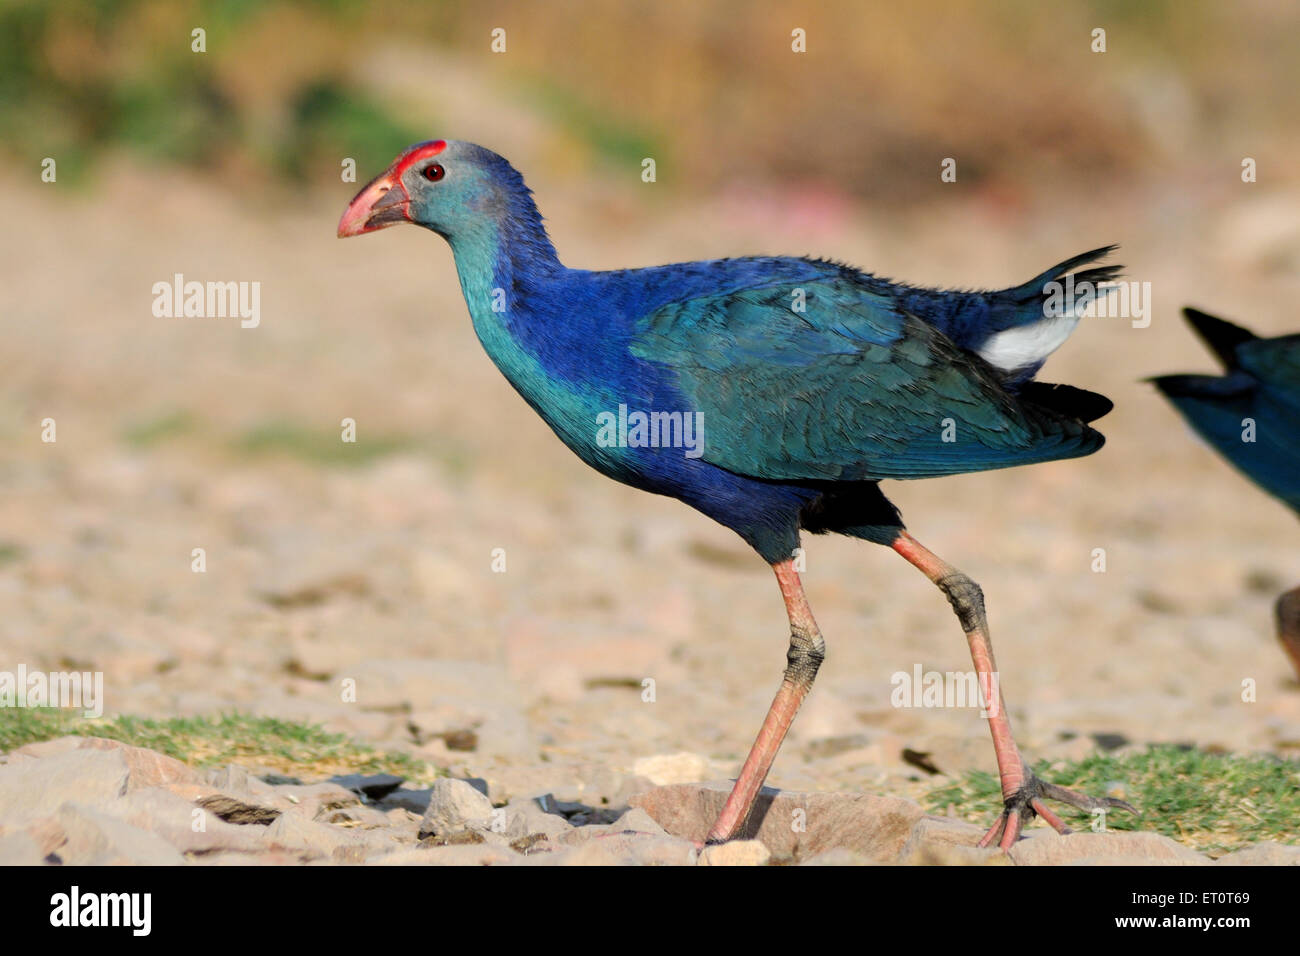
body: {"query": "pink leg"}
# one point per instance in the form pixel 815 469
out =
pixel 968 602
pixel 807 649
pixel 1022 792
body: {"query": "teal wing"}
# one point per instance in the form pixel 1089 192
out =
pixel 830 381
pixel 1276 365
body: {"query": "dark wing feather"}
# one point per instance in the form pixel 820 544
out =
pixel 851 388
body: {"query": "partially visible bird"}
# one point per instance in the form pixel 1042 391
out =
pixel 784 390
pixel 1251 416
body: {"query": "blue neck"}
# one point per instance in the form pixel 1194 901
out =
pixel 507 268
pixel 507 250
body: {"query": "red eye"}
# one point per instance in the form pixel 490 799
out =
pixel 434 172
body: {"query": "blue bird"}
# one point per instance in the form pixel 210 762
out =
pixel 770 394
pixel 1251 416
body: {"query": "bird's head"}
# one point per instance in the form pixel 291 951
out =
pixel 442 185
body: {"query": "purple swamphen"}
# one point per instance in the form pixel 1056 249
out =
pixel 1251 416
pixel 774 394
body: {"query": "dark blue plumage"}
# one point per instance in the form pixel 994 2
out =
pixel 1250 414
pixel 854 387
pixel 778 393
pixel 814 380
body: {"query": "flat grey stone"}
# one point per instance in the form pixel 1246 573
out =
pixel 19 849
pixel 95 838
pixel 37 788
pixel 1053 849
pixel 1263 854
pixel 793 825
pixel 184 826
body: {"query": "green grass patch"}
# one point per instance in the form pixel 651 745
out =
pixel 321 447
pixel 291 748
pixel 326 447
pixel 1211 802
pixel 329 119
pixel 67 92
pixel 154 431
pixel 278 437
pixel 608 134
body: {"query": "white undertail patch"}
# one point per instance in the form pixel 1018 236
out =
pixel 1030 344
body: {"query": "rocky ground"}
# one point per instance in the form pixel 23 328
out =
pixel 89 801
pixel 355 585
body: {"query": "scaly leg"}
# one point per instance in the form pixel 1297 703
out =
pixel 1022 792
pixel 807 649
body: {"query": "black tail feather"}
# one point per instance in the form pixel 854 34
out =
pixel 1220 336
pixel 1099 275
pixel 1034 287
pixel 1067 400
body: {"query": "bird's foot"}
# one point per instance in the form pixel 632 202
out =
pixel 1026 803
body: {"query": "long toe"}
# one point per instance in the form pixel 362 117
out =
pixel 1029 802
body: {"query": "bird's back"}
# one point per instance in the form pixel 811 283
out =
pixel 800 370
pixel 805 369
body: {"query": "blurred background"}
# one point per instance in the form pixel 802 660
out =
pixel 371 561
